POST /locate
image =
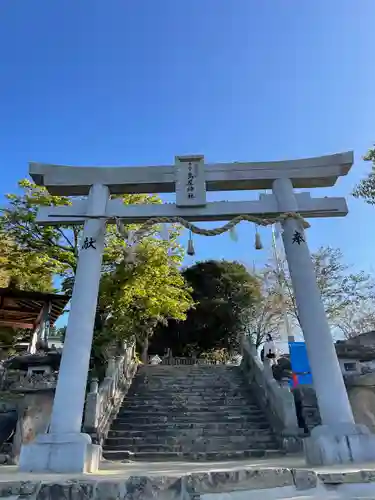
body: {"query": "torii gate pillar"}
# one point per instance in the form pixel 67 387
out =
pixel 65 448
pixel 339 439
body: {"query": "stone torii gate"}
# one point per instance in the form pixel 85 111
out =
pixel 65 448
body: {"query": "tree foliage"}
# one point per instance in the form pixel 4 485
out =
pixel 59 245
pixel 25 270
pixel 9 338
pixel 224 294
pixel 266 316
pixel 366 188
pixel 133 299
pixel 54 243
pixel 339 287
pixel 357 319
pixel 57 333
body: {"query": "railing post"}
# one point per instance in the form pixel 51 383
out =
pixel 118 375
pixel 102 402
pixel 92 408
pixel 94 385
pixel 110 367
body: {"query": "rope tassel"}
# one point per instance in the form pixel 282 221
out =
pixel 258 241
pixel 233 234
pixel 190 248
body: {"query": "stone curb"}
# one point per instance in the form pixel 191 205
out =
pixel 185 487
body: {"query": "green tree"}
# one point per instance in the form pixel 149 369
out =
pixel 143 290
pixel 59 245
pixel 9 338
pixel 136 298
pixel 24 270
pixel 57 333
pixel 224 294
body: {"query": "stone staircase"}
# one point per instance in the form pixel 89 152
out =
pixel 189 413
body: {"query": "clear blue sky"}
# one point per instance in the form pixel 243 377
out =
pixel 138 81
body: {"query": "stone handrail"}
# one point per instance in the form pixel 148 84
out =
pixel 276 401
pixel 182 361
pixel 104 400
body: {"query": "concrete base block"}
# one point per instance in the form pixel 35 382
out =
pixel 65 453
pixel 342 444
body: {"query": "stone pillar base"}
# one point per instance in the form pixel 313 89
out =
pixel 341 444
pixel 64 453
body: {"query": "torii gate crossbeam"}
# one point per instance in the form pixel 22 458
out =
pixel 321 171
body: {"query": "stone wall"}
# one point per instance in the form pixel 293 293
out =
pixel 305 397
pixel 251 483
pixel 34 413
pixel 361 392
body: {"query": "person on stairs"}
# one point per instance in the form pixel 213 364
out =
pixel 269 351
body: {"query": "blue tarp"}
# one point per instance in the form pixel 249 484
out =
pixel 300 363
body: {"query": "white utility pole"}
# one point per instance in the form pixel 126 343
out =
pixel 280 267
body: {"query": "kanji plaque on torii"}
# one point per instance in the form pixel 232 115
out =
pixel 190 181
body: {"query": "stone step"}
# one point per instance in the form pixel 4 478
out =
pixel 196 377
pixel 180 370
pixel 221 426
pixel 192 373
pixel 193 377
pixel 143 399
pixel 193 439
pixel 156 432
pixel 189 413
pixel 188 368
pixel 168 405
pixel 218 388
pixel 196 457
pixel 178 409
pixel 160 426
pixel 204 399
pixel 234 370
pixel 189 379
pixel 191 392
pixel 212 446
pixel 184 378
pixel 213 386
pixel 183 418
pixel 194 405
pixel 187 382
pixel 196 410
pixel 181 375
